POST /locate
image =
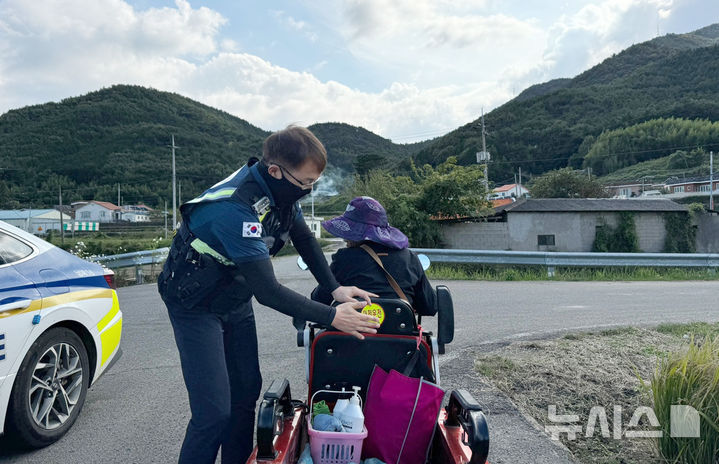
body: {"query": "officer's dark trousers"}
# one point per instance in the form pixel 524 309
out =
pixel 218 353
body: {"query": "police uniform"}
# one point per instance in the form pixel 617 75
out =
pixel 218 260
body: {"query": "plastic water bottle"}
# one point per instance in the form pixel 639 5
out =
pixel 340 406
pixel 352 416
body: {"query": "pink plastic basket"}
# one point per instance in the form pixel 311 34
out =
pixel 334 447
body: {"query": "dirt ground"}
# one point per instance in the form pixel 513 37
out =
pixel 578 372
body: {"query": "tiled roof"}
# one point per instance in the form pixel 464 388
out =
pixel 106 205
pixel 689 180
pixel 502 202
pixel 508 187
pixel 22 213
pixel 591 204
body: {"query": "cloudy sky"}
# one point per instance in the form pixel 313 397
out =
pixel 405 69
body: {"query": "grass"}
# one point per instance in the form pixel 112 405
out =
pixel 604 368
pixel 689 378
pixel 539 273
pixel 692 329
pixel 105 244
pixel 657 169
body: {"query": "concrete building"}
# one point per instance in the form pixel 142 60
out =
pixel 35 221
pixel 631 190
pixel 135 213
pixel 509 191
pixel 315 224
pixel 561 224
pixel 97 211
pixel 692 186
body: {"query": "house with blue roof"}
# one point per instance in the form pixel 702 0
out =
pixel 35 221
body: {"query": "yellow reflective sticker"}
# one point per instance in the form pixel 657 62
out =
pixel 374 310
pixel 109 340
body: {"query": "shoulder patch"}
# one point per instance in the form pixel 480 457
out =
pixel 251 229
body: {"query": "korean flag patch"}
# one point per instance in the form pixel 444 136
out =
pixel 251 229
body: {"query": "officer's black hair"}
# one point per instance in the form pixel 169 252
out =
pixel 293 146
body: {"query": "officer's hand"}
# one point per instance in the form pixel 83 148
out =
pixel 347 319
pixel 343 294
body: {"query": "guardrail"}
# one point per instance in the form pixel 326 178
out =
pixel 551 259
pixel 135 259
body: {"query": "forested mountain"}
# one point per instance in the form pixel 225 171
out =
pixel 617 149
pixel 121 134
pixel 353 148
pixel 556 124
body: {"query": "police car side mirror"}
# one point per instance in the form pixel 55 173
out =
pixel 424 261
pixel 301 263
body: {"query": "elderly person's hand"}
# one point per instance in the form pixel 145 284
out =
pixel 345 294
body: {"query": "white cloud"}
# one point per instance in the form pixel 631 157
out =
pixel 434 44
pixel 446 60
pixel 49 51
pixel 294 24
pixel 581 40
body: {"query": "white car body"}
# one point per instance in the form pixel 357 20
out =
pixel 51 288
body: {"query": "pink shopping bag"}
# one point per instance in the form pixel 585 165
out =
pixel 400 415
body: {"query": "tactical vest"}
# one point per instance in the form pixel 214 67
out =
pixel 241 186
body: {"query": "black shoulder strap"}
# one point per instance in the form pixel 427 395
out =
pixel 390 279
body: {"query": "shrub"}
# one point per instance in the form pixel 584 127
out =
pixel 620 239
pixel 689 378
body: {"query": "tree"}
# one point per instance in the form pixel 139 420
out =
pixel 366 163
pixel 452 190
pixel 567 183
pixel 399 195
pixel 411 202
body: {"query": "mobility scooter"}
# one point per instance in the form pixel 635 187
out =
pixel 336 360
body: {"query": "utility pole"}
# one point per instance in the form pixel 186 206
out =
pixel 711 180
pixel 165 219
pixel 483 156
pixel 119 203
pixel 62 224
pixel 520 180
pixel 174 183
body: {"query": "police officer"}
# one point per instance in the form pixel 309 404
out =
pixel 219 259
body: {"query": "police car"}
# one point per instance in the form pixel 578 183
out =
pixel 60 327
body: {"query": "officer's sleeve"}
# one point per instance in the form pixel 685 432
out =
pixel 322 294
pixel 306 245
pixel 259 277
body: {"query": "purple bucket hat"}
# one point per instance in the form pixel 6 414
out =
pixel 366 219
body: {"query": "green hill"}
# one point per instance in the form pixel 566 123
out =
pixel 122 134
pixel 617 149
pixel 349 147
pixel 681 164
pixel 671 76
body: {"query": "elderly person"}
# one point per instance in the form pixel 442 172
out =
pixel 364 222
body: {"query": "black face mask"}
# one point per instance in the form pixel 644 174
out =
pixel 283 191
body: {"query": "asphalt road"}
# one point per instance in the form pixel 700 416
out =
pixel 137 412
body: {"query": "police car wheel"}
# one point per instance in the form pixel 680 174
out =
pixel 49 389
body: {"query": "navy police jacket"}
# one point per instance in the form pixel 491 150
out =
pixel 234 222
